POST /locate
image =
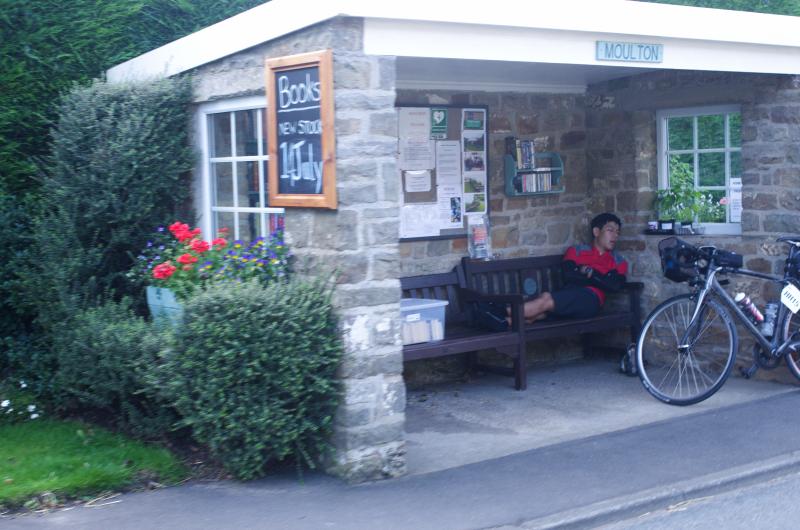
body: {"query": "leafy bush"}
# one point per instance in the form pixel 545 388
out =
pixel 17 402
pixel 253 372
pixel 104 355
pixel 16 313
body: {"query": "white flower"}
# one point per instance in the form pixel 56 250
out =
pixel 5 403
pixel 34 416
pixel 31 408
pixel 23 384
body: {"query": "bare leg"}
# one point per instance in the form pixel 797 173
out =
pixel 537 308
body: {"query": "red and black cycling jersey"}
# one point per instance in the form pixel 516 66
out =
pixel 609 269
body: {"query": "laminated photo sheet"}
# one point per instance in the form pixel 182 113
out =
pixel 474 174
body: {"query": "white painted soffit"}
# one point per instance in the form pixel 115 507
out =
pixel 434 28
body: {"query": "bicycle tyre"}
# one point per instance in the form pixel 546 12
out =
pixel 791 324
pixel 685 377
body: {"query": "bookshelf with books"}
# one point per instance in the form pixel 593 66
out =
pixel 528 172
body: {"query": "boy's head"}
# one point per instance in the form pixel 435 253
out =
pixel 605 231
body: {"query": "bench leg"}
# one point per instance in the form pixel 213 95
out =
pixel 586 343
pixel 471 362
pixel 521 370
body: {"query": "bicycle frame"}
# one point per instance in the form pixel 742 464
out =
pixel 775 346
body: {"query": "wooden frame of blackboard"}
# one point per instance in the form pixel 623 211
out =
pixel 461 233
pixel 326 198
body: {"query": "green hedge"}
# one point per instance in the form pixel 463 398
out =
pixel 253 372
pixel 105 355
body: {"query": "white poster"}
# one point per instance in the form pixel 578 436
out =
pixel 416 153
pixel 448 162
pixel 419 220
pixel 414 122
pixel 475 203
pixel 417 180
pixel 451 213
pixel 735 200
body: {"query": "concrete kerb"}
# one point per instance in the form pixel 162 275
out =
pixel 629 505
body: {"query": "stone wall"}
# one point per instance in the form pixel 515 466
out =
pixel 621 162
pixel 521 226
pixel 359 238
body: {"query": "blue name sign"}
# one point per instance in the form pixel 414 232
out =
pixel 629 52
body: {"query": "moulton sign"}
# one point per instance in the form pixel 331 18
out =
pixel 629 51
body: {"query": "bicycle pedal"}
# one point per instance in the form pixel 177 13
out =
pixel 747 373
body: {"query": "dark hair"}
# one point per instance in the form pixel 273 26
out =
pixel 601 220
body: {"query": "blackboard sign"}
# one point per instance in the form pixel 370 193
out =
pixel 299 131
pixel 300 122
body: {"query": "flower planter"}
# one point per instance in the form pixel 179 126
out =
pixel 164 307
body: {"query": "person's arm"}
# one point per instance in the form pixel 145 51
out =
pixel 610 281
pixel 574 274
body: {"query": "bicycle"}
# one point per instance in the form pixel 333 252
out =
pixel 688 343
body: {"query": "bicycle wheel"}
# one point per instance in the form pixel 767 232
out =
pixel 791 324
pixel 685 374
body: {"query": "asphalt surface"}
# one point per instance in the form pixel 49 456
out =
pixel 580 483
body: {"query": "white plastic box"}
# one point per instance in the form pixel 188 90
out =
pixel 423 320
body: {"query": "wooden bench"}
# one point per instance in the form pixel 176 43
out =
pixel 507 276
pixel 501 281
pixel 460 336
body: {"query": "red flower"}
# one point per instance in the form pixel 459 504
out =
pixel 163 271
pixel 220 242
pixel 224 230
pixel 178 227
pixel 200 246
pixel 187 259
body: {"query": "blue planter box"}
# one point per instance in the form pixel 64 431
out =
pixel 164 308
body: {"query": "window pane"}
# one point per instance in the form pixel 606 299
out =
pixel 246 133
pixel 222 183
pixel 736 164
pixel 263 114
pixel 711 131
pixel 248 184
pixel 712 169
pixel 221 134
pixel 680 133
pixel 712 211
pixel 681 170
pixel 224 220
pixel 735 121
pixel 249 226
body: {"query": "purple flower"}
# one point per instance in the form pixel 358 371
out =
pixel 149 244
pixel 160 229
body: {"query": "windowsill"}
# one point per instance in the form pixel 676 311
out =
pixel 731 229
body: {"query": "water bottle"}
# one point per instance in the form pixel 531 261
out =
pixel 770 315
pixel 749 307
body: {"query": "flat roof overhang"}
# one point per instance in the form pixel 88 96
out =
pixel 522 44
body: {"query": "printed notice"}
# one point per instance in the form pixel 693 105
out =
pixel 414 122
pixel 419 220
pixel 417 180
pixel 736 200
pixel 448 162
pixel 451 214
pixel 416 153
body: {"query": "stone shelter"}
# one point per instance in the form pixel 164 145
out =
pixel 605 84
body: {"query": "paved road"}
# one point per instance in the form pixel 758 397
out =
pixel 771 504
pixel 583 482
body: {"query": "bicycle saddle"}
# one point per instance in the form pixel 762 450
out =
pixel 792 240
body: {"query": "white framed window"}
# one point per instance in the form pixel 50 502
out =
pixel 233 142
pixel 702 147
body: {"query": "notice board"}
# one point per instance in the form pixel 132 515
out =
pixel 300 137
pixel 443 164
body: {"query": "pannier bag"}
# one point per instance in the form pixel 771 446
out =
pixel 678 259
pixel 727 258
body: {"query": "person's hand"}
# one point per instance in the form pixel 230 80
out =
pixel 586 271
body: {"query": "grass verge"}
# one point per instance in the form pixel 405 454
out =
pixel 69 460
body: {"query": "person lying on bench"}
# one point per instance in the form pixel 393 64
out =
pixel 589 271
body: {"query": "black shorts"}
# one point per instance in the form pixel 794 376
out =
pixel 575 302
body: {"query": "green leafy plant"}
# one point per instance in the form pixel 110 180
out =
pixel 104 355
pixel 683 202
pixel 253 372
pixel 185 263
pixel 17 402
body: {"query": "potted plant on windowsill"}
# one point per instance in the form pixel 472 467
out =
pixel 176 265
pixel 685 203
